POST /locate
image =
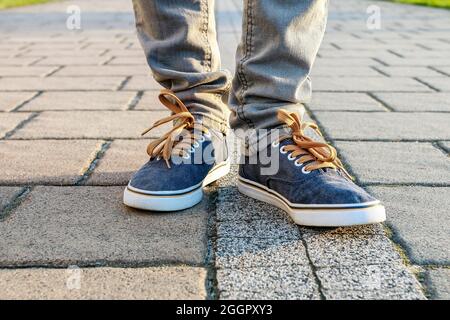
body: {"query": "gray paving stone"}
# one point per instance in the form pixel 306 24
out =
pixel 72 61
pixel 446 146
pixel 385 125
pixel 131 61
pixel 150 101
pixel 346 62
pixel 332 83
pixel 396 162
pixel 271 229
pixel 10 100
pixel 104 283
pixel 9 121
pixel 415 62
pixel 142 83
pixel 81 100
pixel 60 83
pixel 444 69
pixel 77 71
pixel 52 52
pixel 90 225
pixel 95 124
pixel 285 282
pixel 338 250
pixel 25 71
pixel 439 283
pixel 45 161
pixel 345 71
pixel 119 163
pixel 7 194
pixel 380 282
pixel 441 83
pixel 416 214
pixel 254 252
pixel 18 62
pixel 435 101
pixel 343 101
pixel 409 71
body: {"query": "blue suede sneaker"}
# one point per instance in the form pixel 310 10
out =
pixel 183 161
pixel 310 182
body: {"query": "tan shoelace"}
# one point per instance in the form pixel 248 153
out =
pixel 182 134
pixel 321 155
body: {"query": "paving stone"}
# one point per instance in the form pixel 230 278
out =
pixel 72 61
pixel 58 53
pixel 60 83
pixel 141 61
pixel 380 282
pixel 435 101
pixel 385 125
pixel 254 252
pixel 101 71
pixel 439 283
pixel 19 62
pixel 45 161
pixel 396 162
pixel 95 124
pixel 150 101
pixel 446 146
pixel 10 100
pixel 104 283
pixel 343 101
pixel 409 71
pixel 81 100
pixel 368 84
pixel 347 62
pixel 343 71
pixel 7 194
pixel 142 83
pixel 8 121
pixel 119 163
pixel 66 225
pixel 347 250
pixel 24 71
pixel 416 214
pixel 446 70
pixel 271 229
pixel 442 83
pixel 285 282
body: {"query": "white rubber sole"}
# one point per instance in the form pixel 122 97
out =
pixel 315 216
pixel 173 202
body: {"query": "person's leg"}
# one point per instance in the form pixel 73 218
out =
pixel 303 176
pixel 179 40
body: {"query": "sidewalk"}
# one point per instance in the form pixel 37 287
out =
pixel 73 104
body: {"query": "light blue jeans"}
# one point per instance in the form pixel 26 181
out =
pixel 280 40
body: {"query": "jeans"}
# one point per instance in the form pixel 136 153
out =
pixel 279 44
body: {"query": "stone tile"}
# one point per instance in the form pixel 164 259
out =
pixel 141 61
pixel 416 62
pixel 104 283
pixel 396 162
pixel 60 83
pixel 18 62
pixel 385 125
pixel 119 163
pixel 344 71
pixel 446 70
pixel 95 124
pixel 380 282
pixel 150 101
pixel 368 84
pixel 343 101
pixel 417 214
pixel 72 61
pixel 412 101
pixel 254 252
pixel 409 71
pixel 59 53
pixel 345 62
pixel 77 71
pixel 45 161
pixel 446 146
pixel 10 100
pixel 25 71
pixel 442 83
pixel 336 250
pixel 7 194
pixel 439 283
pixel 142 83
pixel 270 229
pixel 80 100
pixel 9 121
pixel 66 225
pixel 286 282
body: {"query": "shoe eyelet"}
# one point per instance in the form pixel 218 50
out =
pixel 207 135
pixel 275 143
pixel 192 150
pixel 305 171
pixel 158 158
pixel 290 157
pixel 282 150
pixel 202 139
pixel 298 164
pixel 196 144
pixel 186 156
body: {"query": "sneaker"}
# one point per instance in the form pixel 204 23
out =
pixel 311 184
pixel 183 161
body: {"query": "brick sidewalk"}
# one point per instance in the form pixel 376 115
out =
pixel 73 104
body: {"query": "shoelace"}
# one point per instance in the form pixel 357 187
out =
pixel 184 122
pixel 319 155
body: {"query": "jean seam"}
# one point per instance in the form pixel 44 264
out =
pixel 205 26
pixel 247 55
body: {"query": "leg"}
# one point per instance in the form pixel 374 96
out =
pixel 279 43
pixel 179 40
